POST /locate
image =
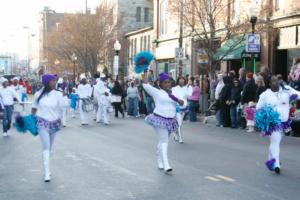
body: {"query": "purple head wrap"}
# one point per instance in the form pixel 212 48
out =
pixel 163 76
pixel 48 77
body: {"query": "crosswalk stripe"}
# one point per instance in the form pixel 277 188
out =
pixel 212 178
pixel 225 178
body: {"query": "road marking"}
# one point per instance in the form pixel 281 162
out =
pixel 225 178
pixel 212 178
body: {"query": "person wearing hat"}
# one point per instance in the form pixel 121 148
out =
pixel 278 97
pixel 47 106
pixel 7 96
pixel 84 92
pixel 163 118
pixel 99 92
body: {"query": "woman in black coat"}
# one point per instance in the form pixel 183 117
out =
pixel 225 102
pixel 235 97
pixel 249 90
pixel 117 91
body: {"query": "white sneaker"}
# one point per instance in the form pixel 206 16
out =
pixel 5 134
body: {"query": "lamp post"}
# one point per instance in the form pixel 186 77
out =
pixel 117 48
pixel 253 19
pixel 29 37
pixel 74 59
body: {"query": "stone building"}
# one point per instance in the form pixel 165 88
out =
pixel 48 22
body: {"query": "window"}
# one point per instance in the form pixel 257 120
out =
pixel 146 15
pixel 138 14
pixel 135 46
pixel 279 4
pixel 235 10
pixel 145 43
pixel 131 47
pixel 163 17
pixel 149 48
pixel 141 43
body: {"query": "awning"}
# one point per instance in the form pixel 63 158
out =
pixel 231 49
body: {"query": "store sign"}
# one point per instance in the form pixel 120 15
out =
pixel 253 43
pixel 202 57
pixel 179 54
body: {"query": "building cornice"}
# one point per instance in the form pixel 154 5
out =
pixel 139 31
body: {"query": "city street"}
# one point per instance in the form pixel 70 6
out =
pixel 119 162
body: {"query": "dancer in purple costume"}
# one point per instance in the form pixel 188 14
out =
pixel 278 97
pixel 163 118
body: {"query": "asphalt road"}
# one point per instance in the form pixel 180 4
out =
pixel 118 162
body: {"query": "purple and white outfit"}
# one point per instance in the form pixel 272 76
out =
pixel 163 120
pixel 280 101
pixel 49 115
pixel 181 92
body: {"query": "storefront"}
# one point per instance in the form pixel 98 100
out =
pixel 288 49
pixel 233 56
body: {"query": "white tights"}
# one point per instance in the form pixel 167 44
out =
pixel 47 139
pixel 162 135
pixel 274 149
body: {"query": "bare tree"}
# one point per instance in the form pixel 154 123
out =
pixel 89 36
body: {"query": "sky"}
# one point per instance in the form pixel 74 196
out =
pixel 15 14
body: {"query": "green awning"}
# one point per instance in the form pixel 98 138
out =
pixel 231 49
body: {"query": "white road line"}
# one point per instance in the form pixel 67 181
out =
pixel 212 178
pixel 225 178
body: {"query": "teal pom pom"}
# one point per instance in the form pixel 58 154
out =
pixel 142 61
pixel 27 123
pixel 265 118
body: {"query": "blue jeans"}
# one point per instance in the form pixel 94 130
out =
pixel 7 115
pixel 150 105
pixel 233 116
pixel 192 111
pixel 218 117
pixel 133 104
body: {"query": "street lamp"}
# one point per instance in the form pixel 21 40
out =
pixel 74 59
pixel 253 19
pixel 117 47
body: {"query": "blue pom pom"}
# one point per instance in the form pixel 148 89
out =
pixel 265 118
pixel 142 61
pixel 27 123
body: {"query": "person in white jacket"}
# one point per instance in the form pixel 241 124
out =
pixel 105 105
pixel 219 88
pixel 278 97
pixel 84 92
pixel 181 91
pixel 48 105
pixel 163 118
pixel 7 96
pixel 99 91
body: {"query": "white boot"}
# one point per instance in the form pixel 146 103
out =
pixel 176 136
pixel 46 160
pixel 164 151
pixel 159 157
pixel 180 135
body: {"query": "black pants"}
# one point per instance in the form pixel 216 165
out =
pixel 118 108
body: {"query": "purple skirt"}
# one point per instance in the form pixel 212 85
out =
pixel 53 126
pixel 157 121
pixel 284 127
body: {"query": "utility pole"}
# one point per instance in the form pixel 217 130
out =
pixel 179 62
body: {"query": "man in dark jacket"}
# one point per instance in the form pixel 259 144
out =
pixel 235 97
pixel 249 90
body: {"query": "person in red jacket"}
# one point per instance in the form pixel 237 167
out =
pixel 28 87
